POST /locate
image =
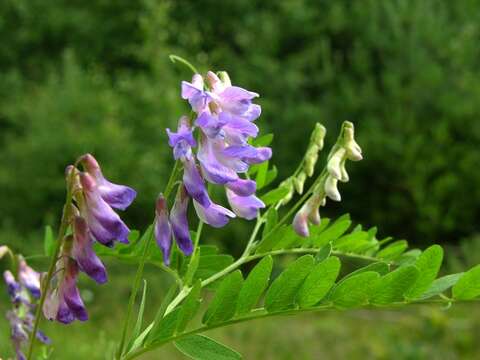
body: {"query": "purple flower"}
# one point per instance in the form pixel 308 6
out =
pixel 244 206
pixel 242 187
pixel 163 230
pixel 83 253
pixel 194 183
pixel 29 278
pixel 182 141
pixel 117 196
pixel 216 167
pixel 213 215
pixel 194 93
pixel 13 287
pixel 104 224
pixel 179 222
pixel 63 303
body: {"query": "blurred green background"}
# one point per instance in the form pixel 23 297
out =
pixel 94 76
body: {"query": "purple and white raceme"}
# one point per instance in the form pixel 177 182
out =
pixel 23 292
pixel 92 219
pixel 224 115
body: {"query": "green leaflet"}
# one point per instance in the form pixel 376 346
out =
pixel 393 251
pixel 262 175
pixel 224 303
pixel 380 267
pixel 189 307
pixel 211 264
pixel 318 282
pixel 271 221
pixel 440 285
pixel 264 140
pixel 333 232
pixel 315 231
pixel 254 285
pixel 323 253
pixel 281 294
pixel 164 328
pixel 200 347
pixel 393 286
pixel 354 291
pixel 271 239
pixel 468 286
pixel 48 241
pixel 275 195
pixel 351 242
pixel 286 238
pixel 428 265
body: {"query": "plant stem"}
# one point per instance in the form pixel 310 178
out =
pixel 46 283
pixel 141 266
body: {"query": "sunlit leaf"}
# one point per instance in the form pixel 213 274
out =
pixel 200 347
pixel 428 264
pixel 393 286
pixel 468 286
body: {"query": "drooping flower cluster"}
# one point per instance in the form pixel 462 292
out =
pixel 24 290
pixel 91 218
pixel 345 149
pixel 224 116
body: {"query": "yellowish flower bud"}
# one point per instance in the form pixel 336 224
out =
pixel 311 158
pixel 299 182
pixel 334 164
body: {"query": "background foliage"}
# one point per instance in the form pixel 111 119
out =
pixel 94 76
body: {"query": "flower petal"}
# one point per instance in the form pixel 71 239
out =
pixel 244 206
pixel 214 215
pixel 163 230
pixel 83 252
pixel 242 187
pixel 179 222
pixel 194 183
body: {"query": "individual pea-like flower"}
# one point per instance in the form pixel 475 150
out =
pixel 117 196
pixel 163 229
pixel 215 215
pixel 82 252
pixel 244 206
pixel 23 294
pixel 29 278
pixel 63 302
pixel 173 226
pixel 309 212
pixel 103 222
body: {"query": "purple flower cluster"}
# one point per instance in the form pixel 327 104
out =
pixel 224 115
pixel 91 218
pixel 23 292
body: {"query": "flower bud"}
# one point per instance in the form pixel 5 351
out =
pixel 163 229
pixel 334 163
pixel 223 75
pixel 354 151
pixel 299 182
pixel 331 189
pixel 311 158
pixel 343 172
pixel 289 185
pixel 3 251
pixel 318 135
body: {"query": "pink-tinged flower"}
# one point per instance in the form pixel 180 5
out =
pixel 182 141
pixel 309 212
pixel 163 229
pixel 179 222
pixel 195 94
pixel 214 215
pixel 83 253
pixel 244 206
pixel 117 196
pixel 29 278
pixel 63 303
pixel 104 224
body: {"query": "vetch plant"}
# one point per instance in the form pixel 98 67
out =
pixel 218 144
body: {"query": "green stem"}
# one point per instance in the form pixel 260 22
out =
pixel 61 234
pixel 138 276
pixel 261 314
pixel 175 58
